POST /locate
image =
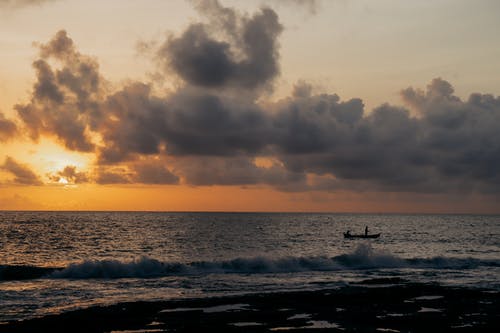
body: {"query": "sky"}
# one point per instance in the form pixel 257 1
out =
pixel 278 105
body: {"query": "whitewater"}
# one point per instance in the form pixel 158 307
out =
pixel 57 261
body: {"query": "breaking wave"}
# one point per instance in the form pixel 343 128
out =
pixel 364 257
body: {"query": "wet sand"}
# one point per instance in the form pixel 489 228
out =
pixel 374 306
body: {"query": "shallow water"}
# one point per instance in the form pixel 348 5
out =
pixel 54 261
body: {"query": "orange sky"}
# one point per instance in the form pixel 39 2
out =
pixel 183 198
pixel 250 106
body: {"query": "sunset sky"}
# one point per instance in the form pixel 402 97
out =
pixel 279 105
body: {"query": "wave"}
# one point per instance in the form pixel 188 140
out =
pixel 364 257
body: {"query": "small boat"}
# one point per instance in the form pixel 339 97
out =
pixel 348 235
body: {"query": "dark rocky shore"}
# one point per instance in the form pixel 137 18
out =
pixel 374 306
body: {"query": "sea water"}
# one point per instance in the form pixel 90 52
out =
pixel 57 261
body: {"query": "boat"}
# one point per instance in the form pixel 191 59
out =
pixel 348 235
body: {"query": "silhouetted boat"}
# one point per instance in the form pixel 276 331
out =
pixel 347 235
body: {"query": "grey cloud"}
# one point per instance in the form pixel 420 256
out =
pixel 189 122
pixel 247 58
pixel 22 173
pixel 8 128
pixel 206 124
pixel 107 177
pixel 461 137
pixel 194 122
pixel 451 146
pixel 212 136
pixel 154 173
pixel 71 175
pixel 302 89
pixel 380 147
pixel 147 171
pixel 239 170
pixel 315 123
pixel 63 100
pixel 133 122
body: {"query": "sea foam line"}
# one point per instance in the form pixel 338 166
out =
pixel 364 257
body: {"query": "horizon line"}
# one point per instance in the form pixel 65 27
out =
pixel 242 212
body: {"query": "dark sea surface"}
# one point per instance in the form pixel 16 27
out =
pixel 57 261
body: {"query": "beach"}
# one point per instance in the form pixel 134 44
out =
pixel 371 306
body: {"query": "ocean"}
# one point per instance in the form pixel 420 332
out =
pixel 53 262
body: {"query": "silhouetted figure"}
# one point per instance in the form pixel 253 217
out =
pixel 366 231
pixel 348 233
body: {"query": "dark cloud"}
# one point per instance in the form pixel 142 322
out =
pixel 302 89
pixel 71 175
pixel 8 128
pixel 153 173
pixel 241 170
pixel 64 99
pixel 461 138
pixel 133 122
pixel 232 50
pixel 117 176
pixel 189 122
pixel 214 127
pixel 22 173
pixel 313 124
pixel 146 171
pixel 207 124
pixel 451 146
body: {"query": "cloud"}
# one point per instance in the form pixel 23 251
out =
pixel 461 138
pixel 105 177
pixel 64 100
pixel 200 123
pixel 145 171
pixel 22 173
pixel 153 173
pixel 131 121
pixel 214 127
pixel 8 128
pixel 240 170
pixel 70 175
pixel 231 50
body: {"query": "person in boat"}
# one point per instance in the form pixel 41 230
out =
pixel 366 231
pixel 348 233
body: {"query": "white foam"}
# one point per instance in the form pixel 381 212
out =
pixel 299 316
pixel 246 324
pixel 211 309
pixel 428 298
pixel 424 310
pixel 363 257
pixel 312 324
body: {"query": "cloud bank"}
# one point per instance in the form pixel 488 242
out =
pixel 22 173
pixel 217 129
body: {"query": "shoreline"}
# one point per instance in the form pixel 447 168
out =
pixel 374 306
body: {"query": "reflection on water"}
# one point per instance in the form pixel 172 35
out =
pixel 111 257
